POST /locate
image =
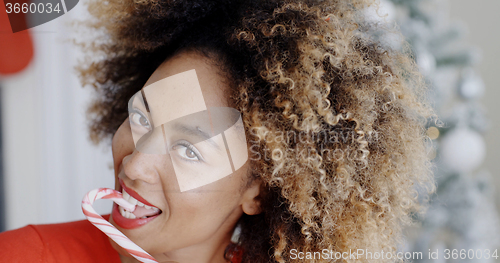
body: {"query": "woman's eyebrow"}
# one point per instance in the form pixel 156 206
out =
pixel 195 131
pixel 139 103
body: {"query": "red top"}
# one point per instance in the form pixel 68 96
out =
pixel 77 241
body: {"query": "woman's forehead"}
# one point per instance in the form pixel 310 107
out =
pixel 212 87
pixel 174 97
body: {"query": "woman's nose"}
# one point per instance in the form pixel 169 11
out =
pixel 142 166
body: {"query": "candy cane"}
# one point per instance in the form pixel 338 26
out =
pixel 108 229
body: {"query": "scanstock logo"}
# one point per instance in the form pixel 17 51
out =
pixel 24 14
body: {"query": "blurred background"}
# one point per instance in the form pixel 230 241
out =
pixel 48 163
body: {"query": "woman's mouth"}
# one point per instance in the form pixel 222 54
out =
pixel 141 211
pixel 144 211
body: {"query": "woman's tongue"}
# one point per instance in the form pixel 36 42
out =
pixel 140 212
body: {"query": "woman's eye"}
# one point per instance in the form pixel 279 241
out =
pixel 187 151
pixel 190 153
pixel 140 119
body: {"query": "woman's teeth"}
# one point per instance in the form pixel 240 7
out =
pixel 125 213
pixel 136 202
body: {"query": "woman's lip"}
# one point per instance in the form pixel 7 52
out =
pixel 126 222
pixel 133 193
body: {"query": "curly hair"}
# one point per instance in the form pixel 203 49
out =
pixel 298 69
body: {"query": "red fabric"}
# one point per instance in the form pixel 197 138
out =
pixel 237 257
pixel 234 253
pixel 16 49
pixel 78 241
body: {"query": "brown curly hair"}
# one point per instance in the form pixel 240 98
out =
pixel 297 68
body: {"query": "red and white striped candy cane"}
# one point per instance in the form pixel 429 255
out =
pixel 108 229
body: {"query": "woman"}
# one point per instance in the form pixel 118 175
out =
pixel 334 127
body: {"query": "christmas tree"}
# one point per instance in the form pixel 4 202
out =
pixel 461 222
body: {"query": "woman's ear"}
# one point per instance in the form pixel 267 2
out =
pixel 251 201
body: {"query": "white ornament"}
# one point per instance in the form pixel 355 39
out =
pixel 472 86
pixel 462 150
pixel 385 12
pixel 426 62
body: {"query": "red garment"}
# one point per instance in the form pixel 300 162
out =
pixel 16 49
pixel 78 241
pixel 234 253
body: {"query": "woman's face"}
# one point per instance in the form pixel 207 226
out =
pixel 167 155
